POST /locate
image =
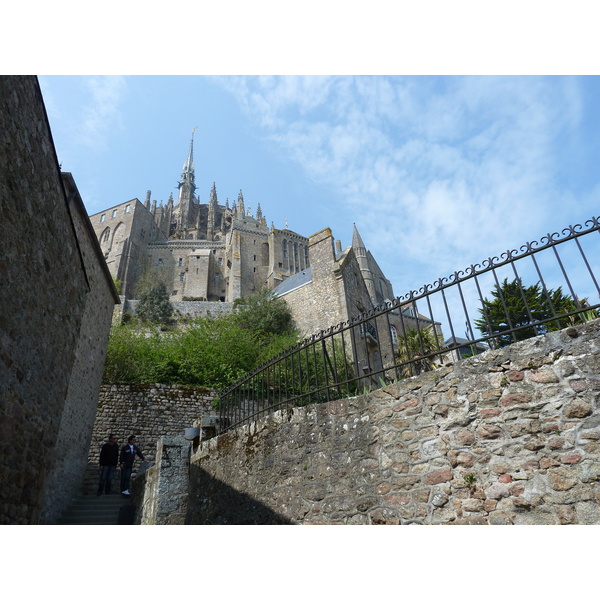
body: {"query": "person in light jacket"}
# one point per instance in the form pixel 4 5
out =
pixel 128 453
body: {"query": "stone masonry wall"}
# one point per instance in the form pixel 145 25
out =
pixel 43 296
pixel 190 308
pixel 149 411
pixel 79 412
pixel 317 305
pixel 511 436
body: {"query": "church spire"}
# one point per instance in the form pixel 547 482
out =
pixel 188 166
pixel 357 244
pixel 187 187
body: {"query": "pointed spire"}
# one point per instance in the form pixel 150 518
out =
pixel 240 203
pixel 188 165
pixel 357 244
pixel 258 213
pixel 188 175
pixel 213 194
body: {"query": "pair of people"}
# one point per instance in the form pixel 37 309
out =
pixel 110 456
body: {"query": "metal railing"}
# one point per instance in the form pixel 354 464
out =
pixel 533 290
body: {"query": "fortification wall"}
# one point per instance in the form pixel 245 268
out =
pixel 190 308
pixel 46 305
pixel 148 411
pixel 511 436
pixel 64 482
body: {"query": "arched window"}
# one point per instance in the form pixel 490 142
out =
pixel 394 335
pixel 105 241
pixel 285 249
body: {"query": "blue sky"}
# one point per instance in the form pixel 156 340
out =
pixel 437 171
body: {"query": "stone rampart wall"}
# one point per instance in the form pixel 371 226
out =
pixel 511 436
pixel 148 411
pixel 190 308
pixel 54 300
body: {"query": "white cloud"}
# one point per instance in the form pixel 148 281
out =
pixel 101 115
pixel 438 171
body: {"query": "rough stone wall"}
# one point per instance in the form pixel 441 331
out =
pixel 191 308
pixel 44 299
pixel 319 304
pixel 148 411
pixel 161 493
pixel 124 231
pixel 511 436
pixel 74 436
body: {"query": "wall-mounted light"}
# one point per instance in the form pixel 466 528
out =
pixel 191 433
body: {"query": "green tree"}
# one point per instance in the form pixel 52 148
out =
pixel 515 306
pixel 414 345
pixel 154 305
pixel 118 285
pixel 265 315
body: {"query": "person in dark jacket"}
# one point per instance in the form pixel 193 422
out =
pixel 109 457
pixel 126 460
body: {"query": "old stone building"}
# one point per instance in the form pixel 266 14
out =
pixel 215 253
pixel 210 252
pixel 56 306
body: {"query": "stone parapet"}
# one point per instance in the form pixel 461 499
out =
pixel 511 436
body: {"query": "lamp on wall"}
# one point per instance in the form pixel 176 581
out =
pixel 191 433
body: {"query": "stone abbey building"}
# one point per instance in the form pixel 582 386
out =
pixel 210 252
pixel 218 253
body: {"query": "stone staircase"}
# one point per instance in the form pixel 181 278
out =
pixel 90 509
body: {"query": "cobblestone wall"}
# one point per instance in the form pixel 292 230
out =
pixel 508 437
pixel 149 411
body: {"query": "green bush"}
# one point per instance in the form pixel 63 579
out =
pixel 208 352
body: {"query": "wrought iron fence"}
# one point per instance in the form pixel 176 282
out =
pixel 533 289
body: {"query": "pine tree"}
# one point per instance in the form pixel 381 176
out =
pixel 515 306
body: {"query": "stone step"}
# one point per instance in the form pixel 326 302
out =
pixel 94 510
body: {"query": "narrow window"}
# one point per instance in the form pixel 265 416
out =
pixel 128 208
pixel 103 218
pixel 159 261
pixel 114 213
pixel 180 262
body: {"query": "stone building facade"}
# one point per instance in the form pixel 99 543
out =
pixel 210 252
pixel 342 285
pixel 56 305
pixel 508 437
pixel 215 253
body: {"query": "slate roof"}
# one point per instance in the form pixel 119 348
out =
pixel 293 282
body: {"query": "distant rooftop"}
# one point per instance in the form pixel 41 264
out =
pixel 293 283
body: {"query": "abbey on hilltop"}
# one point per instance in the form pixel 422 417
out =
pixel 217 253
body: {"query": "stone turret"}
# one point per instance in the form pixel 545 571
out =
pixel 361 256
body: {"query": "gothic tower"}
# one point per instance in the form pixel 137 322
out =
pixel 187 189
